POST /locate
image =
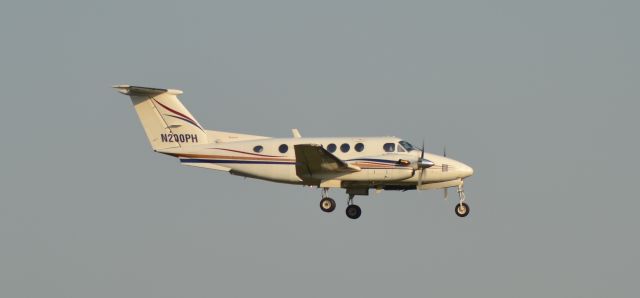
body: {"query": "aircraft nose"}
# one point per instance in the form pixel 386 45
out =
pixel 465 170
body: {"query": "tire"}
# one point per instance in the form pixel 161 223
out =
pixel 327 204
pixel 462 209
pixel 353 211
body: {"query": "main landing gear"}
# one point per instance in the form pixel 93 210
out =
pixel 353 210
pixel 462 209
pixel 328 204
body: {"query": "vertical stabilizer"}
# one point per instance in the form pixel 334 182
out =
pixel 167 123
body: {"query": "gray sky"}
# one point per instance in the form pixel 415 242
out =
pixel 540 97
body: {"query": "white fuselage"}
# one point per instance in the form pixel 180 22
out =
pixel 378 159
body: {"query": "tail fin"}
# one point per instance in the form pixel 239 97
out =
pixel 167 123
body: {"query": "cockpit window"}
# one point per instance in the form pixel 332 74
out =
pixel 389 147
pixel 400 149
pixel 406 145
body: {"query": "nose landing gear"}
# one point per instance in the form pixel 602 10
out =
pixel 462 209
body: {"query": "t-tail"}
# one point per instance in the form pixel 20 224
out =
pixel 167 123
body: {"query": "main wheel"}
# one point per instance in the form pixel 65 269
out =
pixel 327 204
pixel 353 211
pixel 462 209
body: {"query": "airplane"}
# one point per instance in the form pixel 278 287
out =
pixel 356 164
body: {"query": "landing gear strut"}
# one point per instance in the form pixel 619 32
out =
pixel 327 204
pixel 462 209
pixel 353 211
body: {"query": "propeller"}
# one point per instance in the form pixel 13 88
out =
pixel 423 164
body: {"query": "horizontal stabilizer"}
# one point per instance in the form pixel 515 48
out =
pixel 137 90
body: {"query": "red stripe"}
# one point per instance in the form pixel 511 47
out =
pixel 183 119
pixel 178 113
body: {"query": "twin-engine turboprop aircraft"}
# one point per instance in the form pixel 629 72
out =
pixel 356 164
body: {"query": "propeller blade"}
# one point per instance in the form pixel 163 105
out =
pixel 423 174
pixel 421 168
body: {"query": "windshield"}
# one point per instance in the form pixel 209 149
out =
pixel 406 145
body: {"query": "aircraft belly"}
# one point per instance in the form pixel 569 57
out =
pixel 285 173
pixel 207 166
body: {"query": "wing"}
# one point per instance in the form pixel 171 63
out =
pixel 314 162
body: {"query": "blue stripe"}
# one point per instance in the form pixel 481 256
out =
pixel 197 160
pixel 376 160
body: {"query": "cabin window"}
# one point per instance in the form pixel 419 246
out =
pixel 257 149
pixel 400 149
pixel 283 148
pixel 345 147
pixel 445 167
pixel 331 148
pixel 359 147
pixel 389 147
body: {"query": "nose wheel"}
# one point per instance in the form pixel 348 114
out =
pixel 462 209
